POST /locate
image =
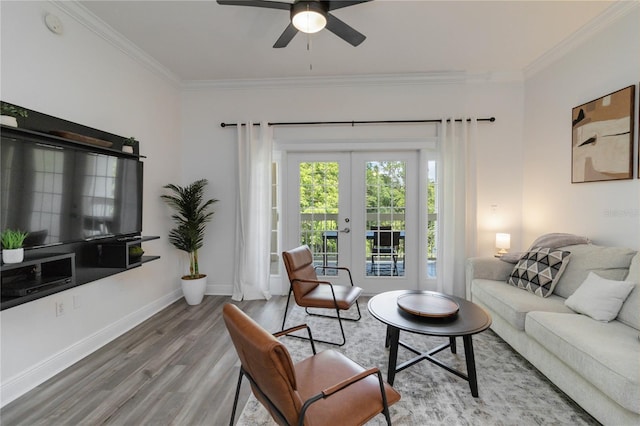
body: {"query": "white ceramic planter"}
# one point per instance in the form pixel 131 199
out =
pixel 127 148
pixel 13 255
pixel 193 290
pixel 8 120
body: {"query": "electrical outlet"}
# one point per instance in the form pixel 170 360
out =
pixel 59 309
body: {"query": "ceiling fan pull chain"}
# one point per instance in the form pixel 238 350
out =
pixel 309 50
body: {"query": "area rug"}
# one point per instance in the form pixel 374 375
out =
pixel 511 391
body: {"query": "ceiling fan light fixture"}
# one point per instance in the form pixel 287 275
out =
pixel 308 16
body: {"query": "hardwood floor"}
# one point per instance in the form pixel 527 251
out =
pixel 178 367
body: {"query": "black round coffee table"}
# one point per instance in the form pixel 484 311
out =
pixel 470 319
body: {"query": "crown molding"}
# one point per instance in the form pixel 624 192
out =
pixel 96 25
pixel 609 16
pixel 429 78
pixel 333 81
pixel 495 77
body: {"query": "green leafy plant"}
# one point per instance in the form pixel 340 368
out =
pixel 12 240
pixel 12 110
pixel 130 141
pixel 135 251
pixel 191 216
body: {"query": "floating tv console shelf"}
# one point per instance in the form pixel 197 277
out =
pixel 117 254
pixel 37 277
pixel 52 268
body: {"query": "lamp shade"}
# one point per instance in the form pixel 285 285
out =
pixel 503 241
pixel 308 17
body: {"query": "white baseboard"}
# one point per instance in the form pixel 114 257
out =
pixel 219 289
pixel 227 290
pixel 29 379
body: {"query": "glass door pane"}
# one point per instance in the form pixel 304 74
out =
pixel 432 218
pixel 318 213
pixel 385 218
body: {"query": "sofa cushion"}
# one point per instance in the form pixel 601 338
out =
pixel 605 354
pixel 599 298
pixel 538 270
pixel 634 269
pixel 630 312
pixel 608 262
pixel 511 303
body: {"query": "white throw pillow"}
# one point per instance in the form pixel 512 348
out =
pixel 599 298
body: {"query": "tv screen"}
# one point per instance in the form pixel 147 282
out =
pixel 61 194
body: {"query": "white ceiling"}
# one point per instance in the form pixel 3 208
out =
pixel 201 40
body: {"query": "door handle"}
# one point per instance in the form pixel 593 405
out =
pixel 346 230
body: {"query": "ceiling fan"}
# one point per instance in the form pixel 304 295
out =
pixel 308 16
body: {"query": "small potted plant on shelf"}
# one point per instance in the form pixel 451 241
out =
pixel 9 114
pixel 129 144
pixel 135 254
pixel 191 216
pixel 12 241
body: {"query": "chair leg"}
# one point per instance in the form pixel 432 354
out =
pixel 385 403
pixel 344 339
pixel 339 318
pixel 394 258
pixel 286 308
pixel 373 264
pixel 333 316
pixel 235 400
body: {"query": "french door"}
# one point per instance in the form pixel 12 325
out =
pixel 360 210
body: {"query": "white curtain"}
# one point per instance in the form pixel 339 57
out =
pixel 457 204
pixel 253 203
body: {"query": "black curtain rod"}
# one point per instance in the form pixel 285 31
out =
pixel 353 123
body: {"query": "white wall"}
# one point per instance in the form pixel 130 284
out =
pixel 210 149
pixel 499 202
pixel 607 212
pixel 80 77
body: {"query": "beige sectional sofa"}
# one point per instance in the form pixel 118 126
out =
pixel 596 363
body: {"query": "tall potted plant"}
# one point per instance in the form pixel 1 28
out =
pixel 12 250
pixel 191 216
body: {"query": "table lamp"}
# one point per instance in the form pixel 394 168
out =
pixel 503 243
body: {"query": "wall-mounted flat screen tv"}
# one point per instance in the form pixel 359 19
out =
pixel 63 194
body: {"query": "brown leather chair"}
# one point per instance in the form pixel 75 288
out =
pixel 309 292
pixel 326 388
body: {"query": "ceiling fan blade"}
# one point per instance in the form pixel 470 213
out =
pixel 333 5
pixel 286 36
pixel 256 3
pixel 344 31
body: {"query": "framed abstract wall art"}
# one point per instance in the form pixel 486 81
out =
pixel 602 142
